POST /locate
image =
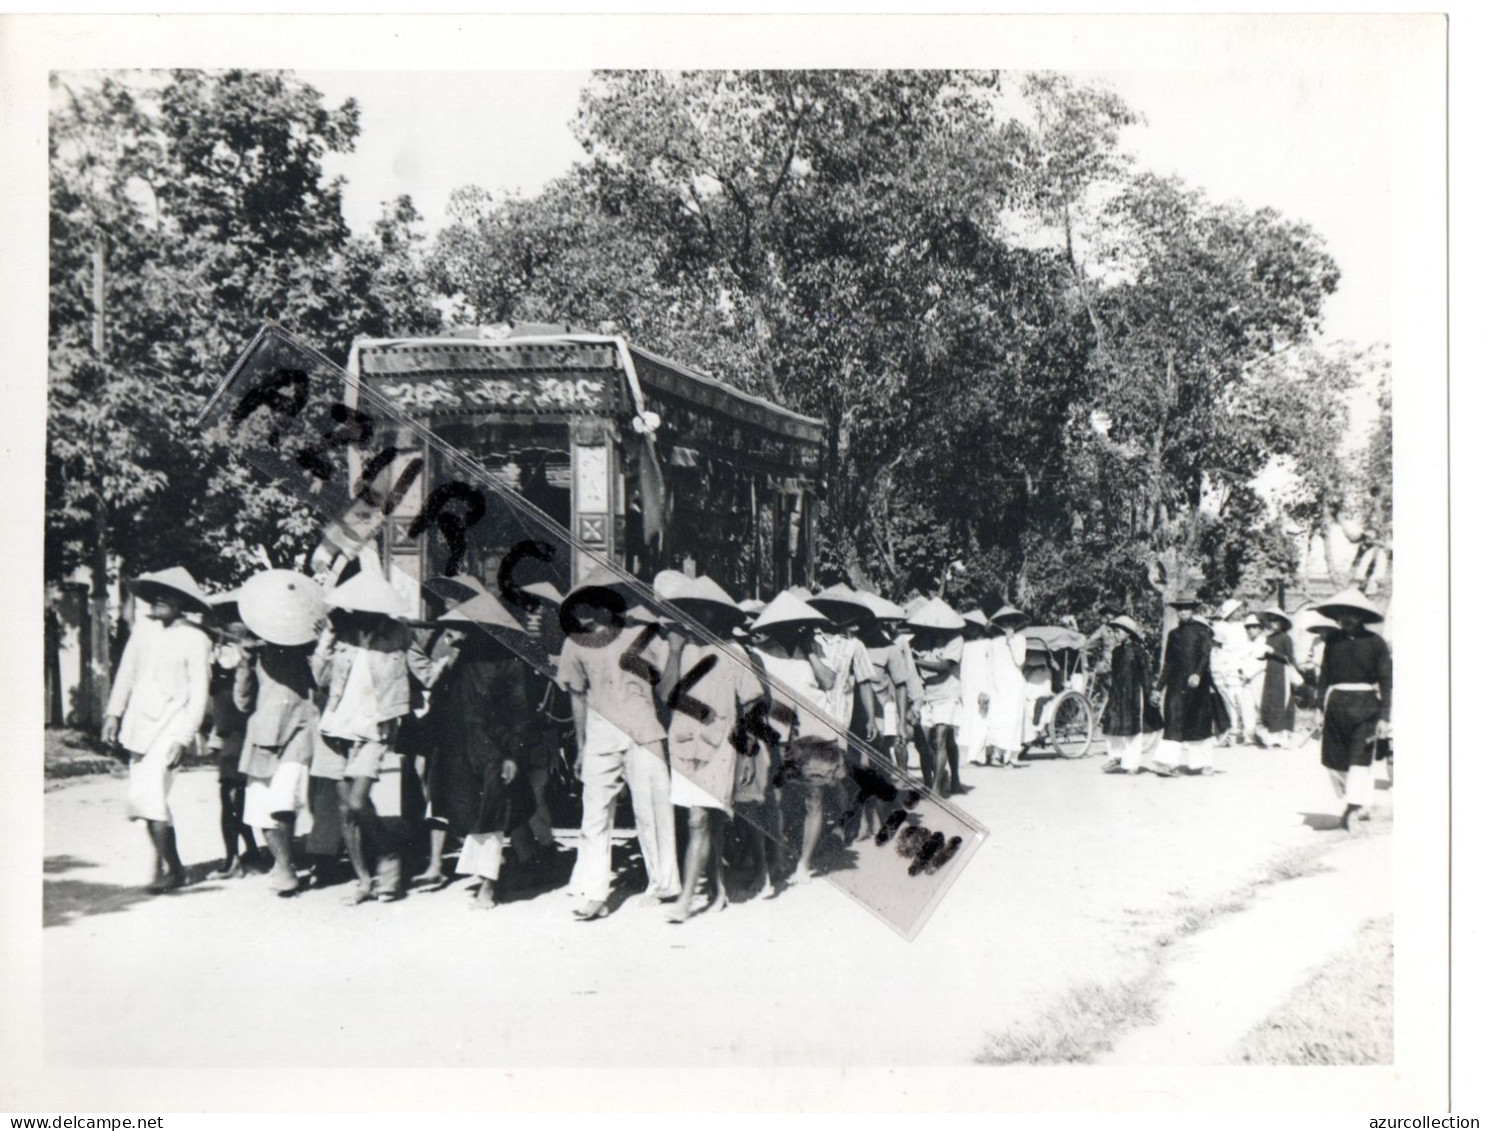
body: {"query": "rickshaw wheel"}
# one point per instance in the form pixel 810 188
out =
pixel 1071 725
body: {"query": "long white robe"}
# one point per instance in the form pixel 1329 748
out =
pixel 1007 705
pixel 977 675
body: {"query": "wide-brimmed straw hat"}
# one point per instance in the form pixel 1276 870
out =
pixel 785 608
pixel 461 587
pixel 1009 614
pixel 1252 621
pixel 174 582
pixel 483 609
pixel 936 613
pixel 282 607
pixel 1229 606
pixel 1349 600
pixel 1278 614
pixel 1126 622
pixel 368 592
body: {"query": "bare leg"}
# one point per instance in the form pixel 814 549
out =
pixel 280 838
pixel 694 860
pixel 169 873
pixel 230 822
pixel 435 873
pixel 717 859
pixel 486 894
pixel 352 834
pixel 812 829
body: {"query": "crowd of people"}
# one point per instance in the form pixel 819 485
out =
pixel 310 697
pixel 1237 681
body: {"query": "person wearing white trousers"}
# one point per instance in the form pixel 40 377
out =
pixel 604 666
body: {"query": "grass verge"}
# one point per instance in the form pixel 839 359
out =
pixel 1341 1014
pixel 1086 1020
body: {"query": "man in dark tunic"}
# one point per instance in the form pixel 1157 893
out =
pixel 1129 718
pixel 1356 687
pixel 1185 680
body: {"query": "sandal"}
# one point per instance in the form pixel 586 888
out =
pixel 593 910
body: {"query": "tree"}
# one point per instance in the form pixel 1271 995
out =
pixel 206 194
pixel 1032 361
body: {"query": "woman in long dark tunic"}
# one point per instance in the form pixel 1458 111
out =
pixel 1130 717
pixel 478 732
pixel 1276 705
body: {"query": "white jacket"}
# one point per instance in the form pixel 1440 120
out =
pixel 160 690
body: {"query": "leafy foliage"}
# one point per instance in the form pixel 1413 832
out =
pixel 204 195
pixel 1047 377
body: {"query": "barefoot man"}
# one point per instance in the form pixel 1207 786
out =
pixel 157 706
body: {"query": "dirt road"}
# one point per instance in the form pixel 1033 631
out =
pixel 1083 872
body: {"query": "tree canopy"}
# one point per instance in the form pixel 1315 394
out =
pixel 1048 376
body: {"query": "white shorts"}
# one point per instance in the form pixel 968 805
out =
pixel 150 783
pixel 287 792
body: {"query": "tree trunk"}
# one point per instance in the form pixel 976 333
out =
pixel 100 632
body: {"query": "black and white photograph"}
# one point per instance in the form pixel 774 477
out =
pixel 732 565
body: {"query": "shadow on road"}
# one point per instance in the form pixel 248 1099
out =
pixel 55 865
pixel 63 901
pixel 1322 822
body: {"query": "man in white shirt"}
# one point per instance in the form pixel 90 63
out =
pixel 157 705
pixel 1229 657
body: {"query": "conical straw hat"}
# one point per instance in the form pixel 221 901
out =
pixel 461 587
pixel 176 581
pixel 368 592
pixel 751 606
pixel 1349 600
pixel 544 592
pixel 603 575
pixel 975 616
pixel 484 609
pixel 784 608
pixel 705 589
pixel 840 600
pixel 669 583
pixel 882 609
pixel 282 607
pixel 1008 613
pixel 1279 614
pixel 915 605
pixel 704 593
pixel 936 613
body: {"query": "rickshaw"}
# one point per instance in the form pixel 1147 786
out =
pixel 1063 709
